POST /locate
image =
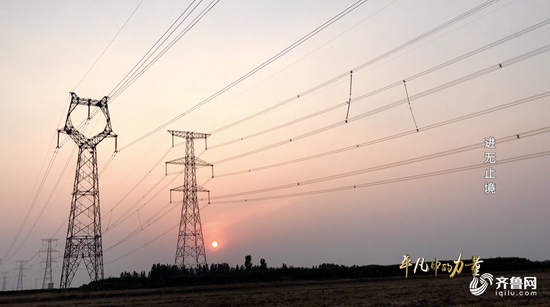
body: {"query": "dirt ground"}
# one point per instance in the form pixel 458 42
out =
pixel 414 291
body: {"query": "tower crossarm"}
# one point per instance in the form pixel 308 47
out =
pixel 182 188
pixel 200 162
pixel 80 139
pixel 189 134
pixel 181 161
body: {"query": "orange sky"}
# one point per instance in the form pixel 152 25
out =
pixel 48 47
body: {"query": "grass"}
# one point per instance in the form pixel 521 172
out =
pixel 390 291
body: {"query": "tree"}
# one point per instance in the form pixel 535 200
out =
pixel 263 264
pixel 248 262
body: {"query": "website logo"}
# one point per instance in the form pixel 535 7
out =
pixel 478 285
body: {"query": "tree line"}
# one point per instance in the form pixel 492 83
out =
pixel 168 275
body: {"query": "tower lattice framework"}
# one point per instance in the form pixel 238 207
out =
pixel 5 281
pixel 84 228
pixel 49 250
pixel 21 276
pixel 190 250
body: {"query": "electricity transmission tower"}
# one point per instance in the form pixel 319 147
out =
pixel 21 268
pixel 5 281
pixel 190 250
pixel 47 283
pixel 84 227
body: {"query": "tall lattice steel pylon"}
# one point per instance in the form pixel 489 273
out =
pixel 21 268
pixel 5 281
pixel 190 250
pixel 84 227
pixel 47 283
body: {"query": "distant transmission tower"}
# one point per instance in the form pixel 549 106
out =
pixel 190 251
pixel 5 281
pixel 47 283
pixel 84 228
pixel 21 268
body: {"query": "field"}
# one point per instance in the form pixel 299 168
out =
pixel 414 291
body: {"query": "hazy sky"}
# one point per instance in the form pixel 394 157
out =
pixel 48 46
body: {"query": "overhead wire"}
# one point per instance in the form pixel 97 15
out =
pixel 136 75
pixel 391 137
pixel 390 86
pixel 433 90
pixel 44 178
pixel 33 203
pixel 308 54
pixel 132 77
pixel 109 45
pixel 150 221
pixel 117 90
pixel 385 166
pixel 253 71
pixel 362 66
pixel 127 214
pixel 136 68
pixel 418 159
pixel 146 244
pixel 52 159
pixel 395 180
pixel 110 212
pixel 351 187
pixel 465 15
pixel 134 212
pixel 47 203
pixel 138 183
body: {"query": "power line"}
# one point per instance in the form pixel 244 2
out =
pixel 127 214
pixel 47 201
pixel 150 52
pixel 109 45
pixel 390 86
pixel 152 219
pixel 394 136
pixel 311 52
pixel 351 187
pixel 137 184
pixel 125 82
pixel 433 90
pixel 123 198
pixel 364 65
pixel 136 75
pixel 56 151
pixel 386 166
pixel 33 203
pixel 432 126
pixel 382 182
pixel 131 76
pixel 404 45
pixel 255 70
pixel 135 250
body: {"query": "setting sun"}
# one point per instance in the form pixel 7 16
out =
pixel 214 244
